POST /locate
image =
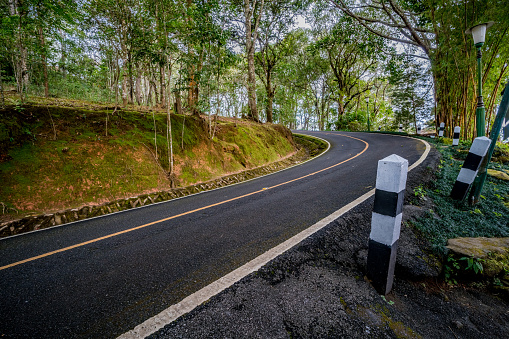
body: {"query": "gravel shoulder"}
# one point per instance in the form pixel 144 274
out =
pixel 318 289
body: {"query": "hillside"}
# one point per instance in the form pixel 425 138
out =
pixel 57 154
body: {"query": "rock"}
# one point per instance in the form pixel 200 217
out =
pixel 412 212
pixel 498 174
pixel 58 219
pixel 478 247
pixel 458 324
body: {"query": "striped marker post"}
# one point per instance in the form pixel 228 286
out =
pixel 400 128
pixel 418 129
pixel 441 131
pixel 386 221
pixel 456 136
pixel 470 167
pixel 379 128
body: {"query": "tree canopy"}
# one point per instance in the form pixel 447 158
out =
pixel 312 65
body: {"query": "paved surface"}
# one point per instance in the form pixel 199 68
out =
pixel 318 289
pixel 105 287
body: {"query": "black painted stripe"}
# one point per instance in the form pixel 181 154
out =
pixel 472 161
pixel 380 265
pixel 456 136
pixel 388 203
pixel 459 190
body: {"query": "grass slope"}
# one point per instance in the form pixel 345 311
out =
pixel 57 155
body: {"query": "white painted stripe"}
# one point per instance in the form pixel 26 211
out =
pixel 466 175
pixel 385 229
pixel 189 303
pixel 480 146
pixel 456 138
pixel 392 173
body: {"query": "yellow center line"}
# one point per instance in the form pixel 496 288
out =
pixel 181 214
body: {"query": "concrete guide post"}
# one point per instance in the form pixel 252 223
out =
pixel 456 136
pixel 400 128
pixel 386 221
pixel 470 167
pixel 441 131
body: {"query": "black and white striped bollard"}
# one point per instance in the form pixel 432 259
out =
pixel 379 128
pixel 418 129
pixel 470 167
pixel 386 221
pixel 441 131
pixel 456 136
pixel 400 128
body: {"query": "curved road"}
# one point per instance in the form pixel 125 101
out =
pixel 100 278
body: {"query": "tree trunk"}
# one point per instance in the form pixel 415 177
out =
pixel 20 55
pixel 131 82
pixel 44 64
pixel 63 53
pixel 270 99
pixel 138 91
pixel 162 88
pixel 124 85
pixel 251 80
pixel 178 102
pixel 251 37
pixel 2 90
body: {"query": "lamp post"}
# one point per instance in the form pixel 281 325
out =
pixel 367 110
pixel 478 33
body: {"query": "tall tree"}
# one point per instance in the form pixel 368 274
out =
pixel 276 43
pixel 253 11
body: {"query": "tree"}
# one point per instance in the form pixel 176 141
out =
pixel 276 42
pixel 253 11
pixel 436 28
pixel 409 94
pixel 352 55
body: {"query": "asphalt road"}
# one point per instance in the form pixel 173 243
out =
pixel 99 278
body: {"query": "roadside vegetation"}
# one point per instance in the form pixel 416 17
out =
pixel 448 218
pixel 304 64
pixel 59 153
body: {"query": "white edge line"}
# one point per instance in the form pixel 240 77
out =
pixel 189 303
pixel 167 201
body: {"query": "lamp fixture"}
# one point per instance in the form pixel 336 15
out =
pixel 479 32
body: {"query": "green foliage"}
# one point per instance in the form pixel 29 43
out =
pixel 453 268
pixel 59 155
pixel 474 264
pixel 420 192
pixel 451 219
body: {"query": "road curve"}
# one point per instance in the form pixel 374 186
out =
pixel 102 277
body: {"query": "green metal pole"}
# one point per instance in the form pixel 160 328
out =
pixel 480 111
pixel 478 184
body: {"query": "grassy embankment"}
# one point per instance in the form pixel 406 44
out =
pixel 58 154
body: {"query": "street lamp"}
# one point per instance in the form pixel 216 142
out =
pixel 478 33
pixel 367 110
